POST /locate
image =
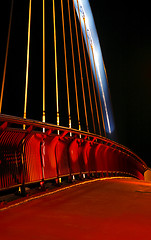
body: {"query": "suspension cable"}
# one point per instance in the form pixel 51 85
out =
pixel 43 115
pixel 86 69
pixel 73 61
pixel 66 64
pixel 83 92
pixel 6 56
pixel 56 74
pixel 94 91
pixel 27 63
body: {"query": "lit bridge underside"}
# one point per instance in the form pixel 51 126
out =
pixel 31 155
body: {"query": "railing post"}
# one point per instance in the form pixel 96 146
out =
pixel 21 190
pixel 42 154
pixel 58 179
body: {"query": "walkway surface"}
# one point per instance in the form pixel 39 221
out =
pixel 102 209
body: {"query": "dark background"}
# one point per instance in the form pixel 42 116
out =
pixel 125 38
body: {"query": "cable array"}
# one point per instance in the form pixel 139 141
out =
pixel 83 77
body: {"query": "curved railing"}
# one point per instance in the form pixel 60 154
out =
pixel 39 154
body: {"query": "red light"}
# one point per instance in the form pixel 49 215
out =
pixel 41 183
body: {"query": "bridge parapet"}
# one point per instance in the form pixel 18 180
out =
pixel 31 155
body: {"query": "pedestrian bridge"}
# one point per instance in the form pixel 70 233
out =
pixel 89 186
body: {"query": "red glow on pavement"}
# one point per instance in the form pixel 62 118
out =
pixel 108 208
pixel 59 190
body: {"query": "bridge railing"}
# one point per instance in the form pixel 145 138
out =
pixel 39 153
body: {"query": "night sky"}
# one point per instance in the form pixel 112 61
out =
pixel 125 38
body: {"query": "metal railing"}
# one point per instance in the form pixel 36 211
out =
pixel 31 155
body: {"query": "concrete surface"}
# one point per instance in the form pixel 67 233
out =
pixel 108 209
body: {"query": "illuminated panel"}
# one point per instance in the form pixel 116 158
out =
pixel 74 157
pixel 86 13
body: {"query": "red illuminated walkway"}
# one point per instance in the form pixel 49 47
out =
pixel 108 209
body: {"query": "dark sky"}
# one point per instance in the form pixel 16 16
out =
pixel 125 38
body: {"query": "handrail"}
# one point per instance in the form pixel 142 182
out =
pixel 48 126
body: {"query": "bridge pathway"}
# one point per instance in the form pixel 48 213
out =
pixel 108 209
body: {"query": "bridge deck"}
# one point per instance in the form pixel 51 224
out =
pixel 108 209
